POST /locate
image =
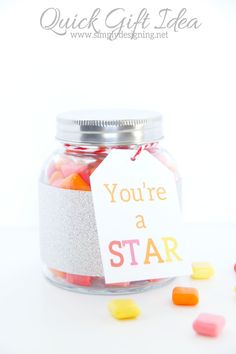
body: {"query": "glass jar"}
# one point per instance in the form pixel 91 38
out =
pixel 69 243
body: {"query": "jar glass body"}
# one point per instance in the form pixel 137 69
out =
pixel 70 168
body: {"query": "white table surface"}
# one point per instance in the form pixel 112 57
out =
pixel 36 317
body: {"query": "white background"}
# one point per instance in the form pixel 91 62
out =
pixel 189 77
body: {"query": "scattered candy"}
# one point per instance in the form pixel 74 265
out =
pixel 123 309
pixel 202 270
pixel 208 324
pixel 185 296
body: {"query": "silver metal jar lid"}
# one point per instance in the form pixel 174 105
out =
pixel 109 127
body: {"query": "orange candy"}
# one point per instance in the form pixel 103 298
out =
pixel 75 182
pixel 185 296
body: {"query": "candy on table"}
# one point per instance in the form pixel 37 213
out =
pixel 75 182
pixel 123 309
pixel 58 273
pixel 183 296
pixel 235 267
pixel 208 324
pixel 82 280
pixel 202 270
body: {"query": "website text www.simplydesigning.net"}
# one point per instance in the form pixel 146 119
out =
pixel 120 35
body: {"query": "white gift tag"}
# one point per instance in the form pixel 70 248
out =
pixel 138 218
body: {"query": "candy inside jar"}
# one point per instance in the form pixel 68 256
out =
pixel 69 244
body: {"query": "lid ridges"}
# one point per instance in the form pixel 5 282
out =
pixel 127 127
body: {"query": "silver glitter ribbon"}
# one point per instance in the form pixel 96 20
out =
pixel 68 233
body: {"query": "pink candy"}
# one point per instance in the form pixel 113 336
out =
pixel 208 324
pixel 63 168
pixel 69 169
pixel 57 182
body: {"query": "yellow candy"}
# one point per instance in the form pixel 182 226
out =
pixel 123 309
pixel 202 270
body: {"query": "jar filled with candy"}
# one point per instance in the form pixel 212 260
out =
pixel 68 237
